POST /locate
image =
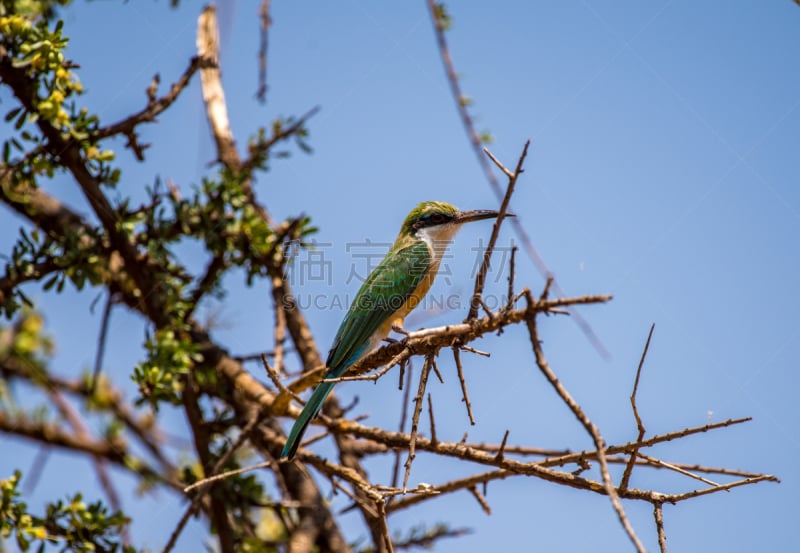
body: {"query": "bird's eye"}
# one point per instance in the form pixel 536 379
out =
pixel 436 219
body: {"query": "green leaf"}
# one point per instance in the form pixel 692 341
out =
pixel 50 282
pixel 13 113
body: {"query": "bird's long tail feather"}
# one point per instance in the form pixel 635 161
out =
pixel 309 412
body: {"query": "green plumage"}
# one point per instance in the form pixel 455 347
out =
pixel 386 291
pixel 391 291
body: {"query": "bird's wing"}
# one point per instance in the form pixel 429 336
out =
pixel 384 292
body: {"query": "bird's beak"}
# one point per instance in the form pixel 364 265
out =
pixel 476 215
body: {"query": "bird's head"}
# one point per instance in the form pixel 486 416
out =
pixel 438 222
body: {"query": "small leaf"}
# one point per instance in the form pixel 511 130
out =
pixel 13 113
pixel 50 282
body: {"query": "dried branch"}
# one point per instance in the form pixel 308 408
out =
pixel 480 278
pixel 434 441
pixel 155 106
pixel 463 382
pixel 427 540
pixel 481 500
pixel 423 381
pixel 511 272
pixel 279 334
pixel 101 342
pixel 143 428
pixel 213 93
pixel 266 21
pixel 439 28
pixel 202 445
pixel 228 474
pixel 658 462
pixel 403 418
pixel 71 416
pixel 639 424
pixel 71 158
pixel 423 341
pixel 590 427
pixel 658 516
pixel 51 435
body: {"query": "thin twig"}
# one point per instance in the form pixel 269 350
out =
pixel 266 21
pixel 402 425
pixel 477 148
pixel 674 498
pixel 639 424
pixel 463 382
pixel 36 469
pixel 436 370
pixel 590 427
pixel 73 418
pixel 511 271
pixel 434 441
pixel 155 106
pixel 658 515
pixel 203 488
pixel 501 450
pixel 228 474
pixel 480 278
pixel 280 337
pixel 276 379
pixel 636 444
pixel 423 381
pixel 257 149
pixel 481 500
pixel 387 538
pixel 101 342
pixel 397 359
pixel 475 351
pixel 676 468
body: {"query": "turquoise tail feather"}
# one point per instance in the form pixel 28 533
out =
pixel 309 412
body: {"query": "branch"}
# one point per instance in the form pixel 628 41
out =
pixel 423 341
pixel 69 154
pixel 266 21
pixel 202 440
pixel 476 144
pixel 590 427
pixel 155 106
pixel 481 276
pixel 639 424
pixel 213 93
pixel 261 147
pixel 105 397
pixel 51 435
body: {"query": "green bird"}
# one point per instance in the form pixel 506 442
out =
pixel 396 286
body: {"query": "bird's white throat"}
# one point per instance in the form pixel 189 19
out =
pixel 438 238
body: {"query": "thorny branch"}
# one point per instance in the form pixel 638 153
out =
pixel 155 106
pixel 487 256
pixel 587 423
pixel 428 342
pixel 461 102
pixel 310 523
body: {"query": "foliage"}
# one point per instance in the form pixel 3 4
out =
pixel 69 525
pixel 134 255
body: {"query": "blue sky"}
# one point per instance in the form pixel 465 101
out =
pixel 663 170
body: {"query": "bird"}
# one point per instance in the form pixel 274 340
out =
pixel 391 291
